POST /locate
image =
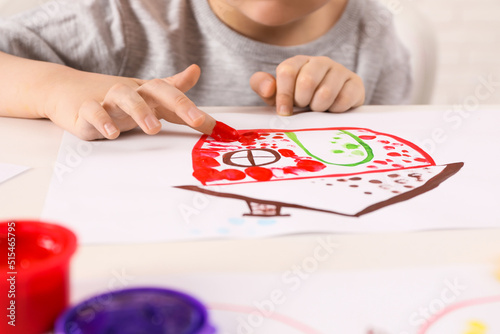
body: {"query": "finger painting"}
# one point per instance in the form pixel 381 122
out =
pixel 366 172
pixel 345 171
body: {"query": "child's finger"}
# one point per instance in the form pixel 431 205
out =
pixel 264 84
pixel 91 112
pixel 329 88
pixel 309 78
pixel 351 95
pixel 132 103
pixel 159 93
pixel 186 79
pixel 286 75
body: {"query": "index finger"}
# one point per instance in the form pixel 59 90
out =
pixel 286 76
pixel 158 93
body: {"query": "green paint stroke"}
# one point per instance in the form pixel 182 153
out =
pixel 367 148
pixel 351 146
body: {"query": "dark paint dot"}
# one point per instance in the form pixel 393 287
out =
pixel 353 186
pixel 355 178
pixel 375 181
pixel 395 192
pixel 341 180
pixel 393 175
pixel 409 187
pixel 368 193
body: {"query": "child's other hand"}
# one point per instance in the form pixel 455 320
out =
pixel 94 106
pixel 317 82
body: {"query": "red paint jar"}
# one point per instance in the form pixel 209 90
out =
pixel 34 275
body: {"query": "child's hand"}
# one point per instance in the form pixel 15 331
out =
pixel 317 82
pixel 94 106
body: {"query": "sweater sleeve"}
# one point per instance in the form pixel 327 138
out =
pixel 86 34
pixel 395 82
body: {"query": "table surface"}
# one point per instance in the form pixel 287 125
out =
pixel 35 143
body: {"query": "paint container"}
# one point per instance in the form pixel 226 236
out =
pixel 34 266
pixel 137 310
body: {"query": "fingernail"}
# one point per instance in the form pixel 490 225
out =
pixel 195 113
pixel 152 122
pixel 285 110
pixel 110 129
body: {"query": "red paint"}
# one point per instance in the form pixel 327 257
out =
pixel 233 174
pixel 259 173
pixel 287 153
pixel 202 162
pixel 223 132
pixel 311 165
pixel 302 167
pixel 205 175
pixel 389 147
pixel 42 256
pixel 208 153
pixel 394 154
pixel 291 170
pixel 248 138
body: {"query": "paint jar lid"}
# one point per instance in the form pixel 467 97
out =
pixel 136 311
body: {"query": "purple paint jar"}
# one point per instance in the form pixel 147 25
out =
pixel 136 311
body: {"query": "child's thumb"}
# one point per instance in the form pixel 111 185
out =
pixel 186 79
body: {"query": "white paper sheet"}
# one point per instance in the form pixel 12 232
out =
pixel 387 178
pixel 459 299
pixel 8 171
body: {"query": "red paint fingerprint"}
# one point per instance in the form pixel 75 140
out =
pixel 389 147
pixel 407 155
pixel 380 162
pixel 367 137
pixel 311 165
pixel 384 141
pixel 372 166
pixel 248 138
pixel 208 153
pixel 407 161
pixel 292 170
pixel 394 154
pixel 277 137
pixel 389 160
pixel 205 162
pixel 420 159
pixel 223 132
pixel 259 173
pixel 405 151
pixel 287 153
pixel 233 174
pixel 397 166
pixel 205 175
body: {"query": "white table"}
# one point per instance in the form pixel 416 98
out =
pixel 35 143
